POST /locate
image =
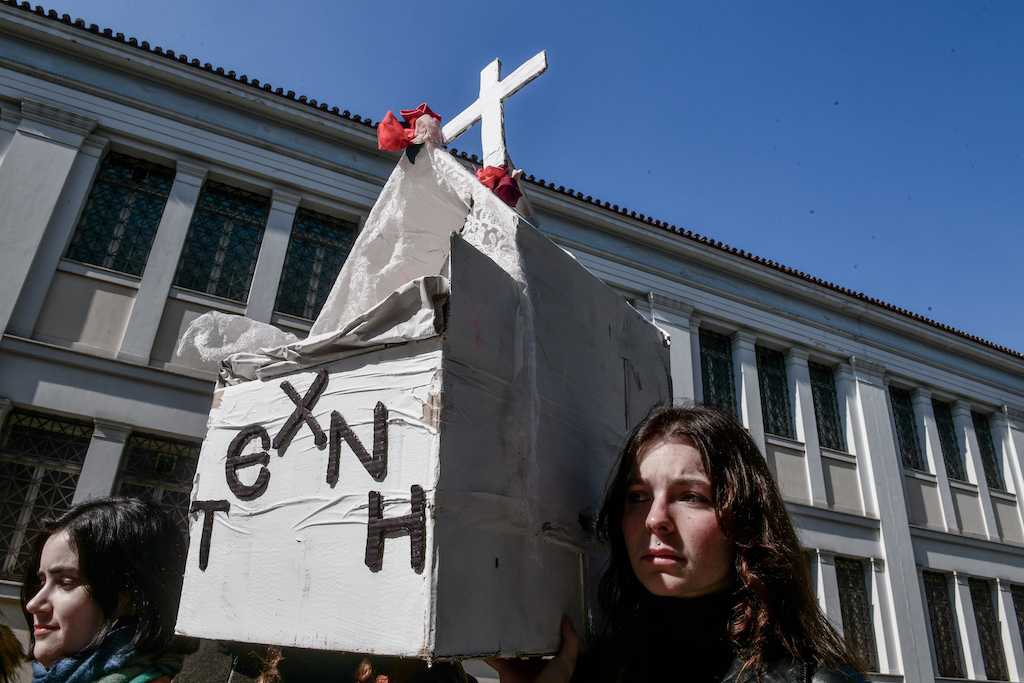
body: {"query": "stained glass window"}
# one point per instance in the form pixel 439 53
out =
pixel 944 633
pixel 951 454
pixel 161 469
pixel 906 428
pixel 223 242
pixel 989 457
pixel 826 407
pixel 122 214
pixel 775 409
pixel 40 459
pixel 317 249
pixel 988 630
pixel 716 371
pixel 858 626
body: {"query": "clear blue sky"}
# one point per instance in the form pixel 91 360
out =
pixel 873 144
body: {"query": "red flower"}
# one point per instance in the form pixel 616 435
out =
pixel 395 136
pixel 497 179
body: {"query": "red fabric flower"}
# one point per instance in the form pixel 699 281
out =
pixel 497 179
pixel 411 115
pixel 395 136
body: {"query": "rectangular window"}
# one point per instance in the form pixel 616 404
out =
pixel 826 407
pixel 223 242
pixel 1018 606
pixel 775 408
pixel 160 469
pixel 945 640
pixel 716 371
pixel 989 456
pixel 858 626
pixel 906 429
pixel 40 460
pixel 951 454
pixel 122 214
pixel 988 630
pixel 317 249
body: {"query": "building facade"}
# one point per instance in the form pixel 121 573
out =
pixel 140 189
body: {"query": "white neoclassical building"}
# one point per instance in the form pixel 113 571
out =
pixel 140 188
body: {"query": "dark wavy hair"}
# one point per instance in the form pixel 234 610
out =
pixel 130 552
pixel 776 613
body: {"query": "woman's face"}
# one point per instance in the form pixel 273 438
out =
pixel 65 616
pixel 669 524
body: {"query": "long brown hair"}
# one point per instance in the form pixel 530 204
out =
pixel 776 613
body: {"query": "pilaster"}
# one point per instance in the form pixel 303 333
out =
pixel 924 415
pixel 968 440
pixel 35 169
pixel 968 625
pixel 673 316
pixel 698 375
pixel 267 276
pixel 1010 634
pixel 828 588
pixel 102 460
pixel 876 447
pixel 883 618
pixel 748 393
pixel 851 415
pixel 798 376
pixel 140 333
pixel 1008 432
pixel 58 234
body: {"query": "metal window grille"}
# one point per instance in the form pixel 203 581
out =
pixel 988 630
pixel 775 408
pixel 944 636
pixel 1018 606
pixel 826 407
pixel 716 371
pixel 989 457
pixel 40 459
pixel 950 445
pixel 160 469
pixel 906 429
pixel 317 249
pixel 223 242
pixel 122 214
pixel 855 607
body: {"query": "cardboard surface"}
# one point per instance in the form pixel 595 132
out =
pixel 504 424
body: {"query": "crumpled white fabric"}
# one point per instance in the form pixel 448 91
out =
pixel 216 335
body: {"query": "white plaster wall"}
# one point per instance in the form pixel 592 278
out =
pixel 86 311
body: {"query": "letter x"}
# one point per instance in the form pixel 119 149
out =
pixel 301 413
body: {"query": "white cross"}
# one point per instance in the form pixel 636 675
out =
pixel 489 109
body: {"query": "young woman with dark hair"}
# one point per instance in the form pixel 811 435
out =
pixel 706 579
pixel 101 594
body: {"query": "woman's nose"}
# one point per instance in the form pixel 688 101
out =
pixel 38 602
pixel 658 519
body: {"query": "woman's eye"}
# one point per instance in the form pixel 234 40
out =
pixel 691 497
pixel 636 497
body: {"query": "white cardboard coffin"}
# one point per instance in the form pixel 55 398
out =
pixel 432 497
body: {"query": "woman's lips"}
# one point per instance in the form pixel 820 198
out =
pixel 657 557
pixel 42 629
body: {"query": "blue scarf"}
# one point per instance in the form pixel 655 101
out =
pixel 109 658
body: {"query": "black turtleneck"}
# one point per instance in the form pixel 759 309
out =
pixel 669 639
